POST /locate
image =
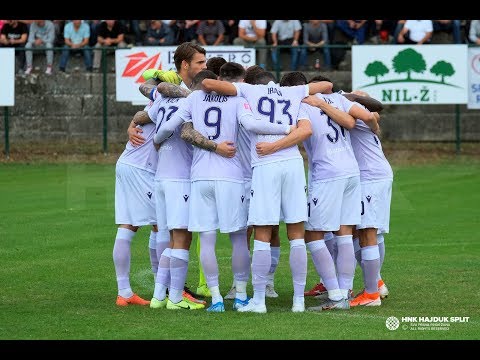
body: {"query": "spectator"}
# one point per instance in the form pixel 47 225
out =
pixel 133 26
pixel 172 26
pixel 14 34
pixel 94 24
pixel 448 26
pixel 158 34
pixel 186 30
pixel 384 31
pixel 474 32
pixel 286 32
pixel 77 35
pixel 59 29
pixel 110 33
pixel 354 29
pixel 211 32
pixel 42 35
pixel 416 32
pixel 251 33
pixel 231 30
pixel 315 35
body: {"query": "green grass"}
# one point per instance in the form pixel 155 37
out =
pixel 57 278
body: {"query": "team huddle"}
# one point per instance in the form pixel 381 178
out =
pixel 216 149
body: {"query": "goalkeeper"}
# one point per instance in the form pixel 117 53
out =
pixel 189 60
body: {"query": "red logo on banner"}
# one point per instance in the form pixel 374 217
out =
pixel 138 63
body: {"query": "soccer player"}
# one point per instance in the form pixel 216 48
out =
pixel 376 177
pixel 215 63
pixel 134 207
pixel 172 187
pixel 244 149
pixel 189 58
pixel 278 181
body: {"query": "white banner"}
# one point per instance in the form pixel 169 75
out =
pixel 131 63
pixel 411 74
pixel 7 77
pixel 473 78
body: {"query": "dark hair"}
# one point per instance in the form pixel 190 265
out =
pixel 252 72
pixel 264 78
pixel 186 51
pixel 319 78
pixel 232 71
pixel 293 78
pixel 204 74
pixel 215 63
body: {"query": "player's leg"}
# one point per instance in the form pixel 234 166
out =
pixel 152 250
pixel 324 210
pixel 179 257
pixel 232 218
pixel 163 246
pixel 350 217
pixel 298 263
pixel 261 262
pixel 275 253
pixel 325 267
pixel 202 288
pixel 371 263
pixel 294 210
pixel 133 208
pixel 203 218
pixel 263 213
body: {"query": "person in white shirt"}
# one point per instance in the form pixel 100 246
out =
pixel 253 32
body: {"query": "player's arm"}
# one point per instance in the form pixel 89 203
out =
pixel 340 117
pixel 134 134
pixel 324 87
pixel 141 118
pixel 147 88
pixel 302 132
pixel 192 136
pixel 219 86
pixel 369 118
pixel 257 126
pixel 172 90
pixel 367 101
pixel 167 128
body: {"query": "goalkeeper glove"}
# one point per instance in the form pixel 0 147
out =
pixel 169 76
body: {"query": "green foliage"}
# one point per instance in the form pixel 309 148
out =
pixel 409 60
pixel 442 68
pixel 376 69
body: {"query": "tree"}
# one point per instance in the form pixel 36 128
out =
pixel 409 60
pixel 442 68
pixel 376 68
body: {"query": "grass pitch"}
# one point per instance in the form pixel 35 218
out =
pixel 57 278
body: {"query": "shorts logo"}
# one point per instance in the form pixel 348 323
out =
pixel 243 198
pixel 315 200
pixel 368 198
pixel 251 192
pixel 149 194
pixel 305 188
pixel 185 197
